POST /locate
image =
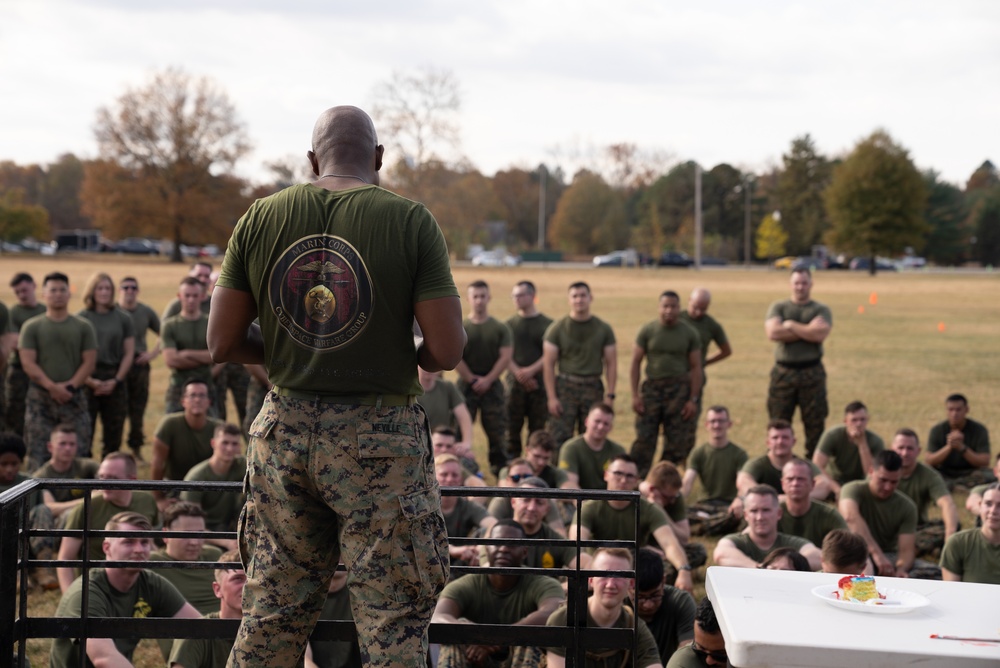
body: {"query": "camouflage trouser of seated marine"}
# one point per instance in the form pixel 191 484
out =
pixel 330 482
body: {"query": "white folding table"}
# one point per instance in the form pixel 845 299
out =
pixel 771 619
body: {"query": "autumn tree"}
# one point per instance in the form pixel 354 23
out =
pixel 771 239
pixel 946 212
pixel 876 200
pixel 165 148
pixel 19 219
pixel 799 194
pixel 590 217
pixel 666 212
pixel 518 191
pixel 985 224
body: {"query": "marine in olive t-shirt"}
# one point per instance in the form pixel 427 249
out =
pixel 845 462
pixel 589 465
pixel 717 468
pixel 581 344
pixel 970 555
pixel 886 518
pixel 818 521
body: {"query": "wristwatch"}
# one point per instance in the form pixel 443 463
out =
pixel 685 567
pixel 611 395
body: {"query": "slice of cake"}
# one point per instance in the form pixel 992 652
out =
pixel 857 588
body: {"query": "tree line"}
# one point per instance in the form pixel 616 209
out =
pixel 167 152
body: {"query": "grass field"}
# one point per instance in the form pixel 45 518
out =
pixel 900 342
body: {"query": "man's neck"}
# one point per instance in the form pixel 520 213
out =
pixel 448 503
pixel 191 316
pixel 196 421
pixel 908 471
pixel 127 306
pixel 59 467
pixel 219 467
pixel 718 444
pixel 120 579
pixel 226 612
pixel 960 426
pixel 503 583
pixel 605 617
pixel 528 312
pixel 764 542
pixel 479 318
pixel 779 462
pixel 797 507
pixel 593 443
pixel 56 314
pixel 579 317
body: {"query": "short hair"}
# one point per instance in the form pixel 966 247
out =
pixel 670 294
pixel 507 522
pixel 854 407
pixel 446 458
pixel 765 490
pixel 648 569
pixel 718 408
pixel 887 460
pixel 802 269
pixel 91 287
pixel 227 428
pixel 601 406
pixel 705 616
pixel 11 442
pixel 517 461
pixel 130 467
pixel 540 438
pixel 799 562
pixel 21 277
pixel 201 263
pixel 181 509
pixel 528 285
pixel 228 557
pixel 192 381
pixel 622 457
pixel 578 285
pixel 63 428
pixel 127 279
pixel 908 433
pixel 617 552
pixel 797 461
pixel 664 474
pixel 957 398
pixel 842 549
pixel 534 482
pixel 444 430
pixel 128 517
pixel 479 284
pixel 191 280
pixel 55 276
pixel 779 424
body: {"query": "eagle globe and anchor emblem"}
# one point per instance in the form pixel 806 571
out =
pixel 321 292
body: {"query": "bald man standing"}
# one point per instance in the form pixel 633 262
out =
pixel 339 462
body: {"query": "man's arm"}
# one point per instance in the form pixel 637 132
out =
pixel 611 367
pixel 777 332
pixel 447 611
pixel 948 576
pixel 545 609
pixel 186 359
pixel 725 350
pixel 687 484
pixel 675 555
pixel 506 355
pixel 906 554
pixel 159 463
pixel 936 458
pixel 855 522
pixel 103 654
pixel 813 554
pixel 949 513
pixel 635 374
pixel 690 408
pixel 440 320
pixel 232 336
pixel 187 611
pixel 821 459
pixel 128 356
pixel 727 554
pixel 550 353
pixel 29 362
pixel 57 508
pixel 464 419
pixel 822 486
pixel 69 548
pixel 815 331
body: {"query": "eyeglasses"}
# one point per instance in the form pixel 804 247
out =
pixel 518 477
pixel 196 395
pixel 649 598
pixel 624 475
pixel 130 287
pixel 719 655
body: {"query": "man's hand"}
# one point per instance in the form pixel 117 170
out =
pixel 883 565
pixel 143 359
pixel 480 385
pixel 684 581
pixel 60 392
pixel 690 410
pixel 955 440
pixel 637 405
pixel 555 406
pixel 477 654
pixel 736 507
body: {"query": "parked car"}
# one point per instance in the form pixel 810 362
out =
pixel 495 258
pixel 813 263
pixel 618 258
pixel 709 261
pixel 785 262
pixel 136 246
pixel 864 264
pixel 675 259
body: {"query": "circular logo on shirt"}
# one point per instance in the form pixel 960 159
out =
pixel 321 293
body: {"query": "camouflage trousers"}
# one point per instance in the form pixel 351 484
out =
pixel 453 656
pixel 711 517
pixel 42 413
pixel 113 409
pixel 255 399
pixel 663 400
pixel 967 479
pixel 15 390
pixel 493 419
pixel 137 391
pixel 576 394
pixel 172 399
pixel 235 378
pixel 697 557
pixel 40 518
pixel 805 388
pixel 930 538
pixel 329 482
pixel 524 405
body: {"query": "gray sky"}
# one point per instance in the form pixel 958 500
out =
pixel 542 81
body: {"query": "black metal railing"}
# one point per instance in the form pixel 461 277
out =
pixel 17 625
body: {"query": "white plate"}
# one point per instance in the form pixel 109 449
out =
pixel 896 601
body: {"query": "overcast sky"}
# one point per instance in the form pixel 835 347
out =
pixel 725 81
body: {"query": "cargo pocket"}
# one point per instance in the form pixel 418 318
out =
pixel 388 439
pixel 420 549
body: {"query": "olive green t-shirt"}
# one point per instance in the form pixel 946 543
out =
pixel 845 462
pixel 647 653
pixel 479 602
pixel 188 446
pixel 924 487
pixel 589 465
pixel 464 518
pixel 194 584
pixel 112 328
pixel 222 509
pixel 4 319
pixel 482 348
pixel 337 653
pixel 673 622
pixel 150 596
pixel 717 468
pixel 174 307
pixel 335 276
pixel 886 519
pixel 143 319
pixel 745 544
pixel 607 523
pixel 180 333
pixel 80 469
pixel 527 335
pixel 18 316
pixel 818 521
pixel 762 470
pixel 970 555
pixel 581 344
pixel 101 511
pixel 439 403
pixel 798 352
pixel 59 345
pixel 708 329
pixel 203 652
pixel 667 348
pixel 977 438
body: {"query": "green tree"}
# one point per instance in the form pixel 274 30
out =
pixel 771 239
pixel 61 196
pixel 171 138
pixel 666 212
pixel 984 178
pixel 590 217
pixel 985 221
pixel 946 213
pixel 19 220
pixel 799 194
pixel 876 200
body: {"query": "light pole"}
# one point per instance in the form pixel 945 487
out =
pixel 541 207
pixel 747 188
